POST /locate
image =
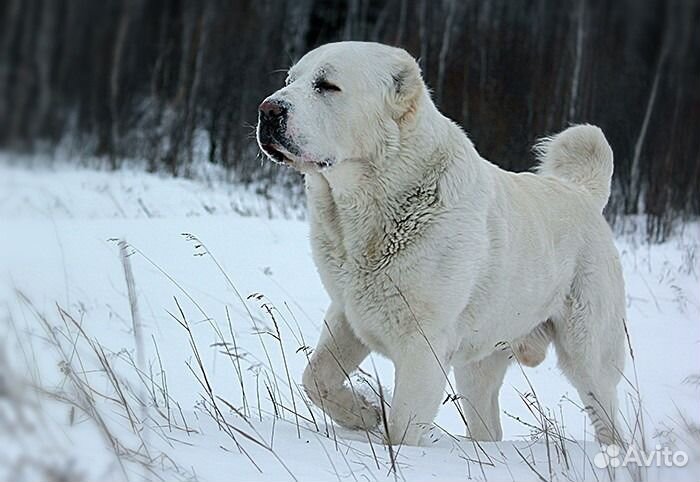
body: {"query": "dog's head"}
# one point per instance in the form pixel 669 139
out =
pixel 341 101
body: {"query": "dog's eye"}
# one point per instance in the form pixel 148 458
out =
pixel 325 86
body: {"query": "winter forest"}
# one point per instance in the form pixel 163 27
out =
pixel 176 83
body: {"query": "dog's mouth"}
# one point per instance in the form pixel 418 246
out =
pixel 278 153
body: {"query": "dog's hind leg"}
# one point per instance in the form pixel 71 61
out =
pixel 478 384
pixel 589 341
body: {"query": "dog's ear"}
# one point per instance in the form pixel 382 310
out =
pixel 407 85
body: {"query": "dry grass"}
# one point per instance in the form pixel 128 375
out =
pixel 128 402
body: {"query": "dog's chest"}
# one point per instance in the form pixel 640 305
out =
pixel 368 262
pixel 368 243
pixel 376 307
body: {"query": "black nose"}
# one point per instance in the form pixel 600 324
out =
pixel 271 110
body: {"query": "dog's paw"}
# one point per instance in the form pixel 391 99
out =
pixel 405 434
pixel 363 415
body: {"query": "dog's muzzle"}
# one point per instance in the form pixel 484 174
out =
pixel 272 127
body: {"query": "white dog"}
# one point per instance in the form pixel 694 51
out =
pixel 436 258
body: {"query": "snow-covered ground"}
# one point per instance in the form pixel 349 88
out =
pixel 208 387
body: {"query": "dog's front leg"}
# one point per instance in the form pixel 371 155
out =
pixel 420 377
pixel 336 357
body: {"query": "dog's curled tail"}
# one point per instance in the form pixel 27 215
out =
pixel 580 155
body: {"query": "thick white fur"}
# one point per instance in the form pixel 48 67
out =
pixel 434 257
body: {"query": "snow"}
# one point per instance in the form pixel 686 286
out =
pixel 63 414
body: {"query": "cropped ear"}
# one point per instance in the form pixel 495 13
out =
pixel 407 84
